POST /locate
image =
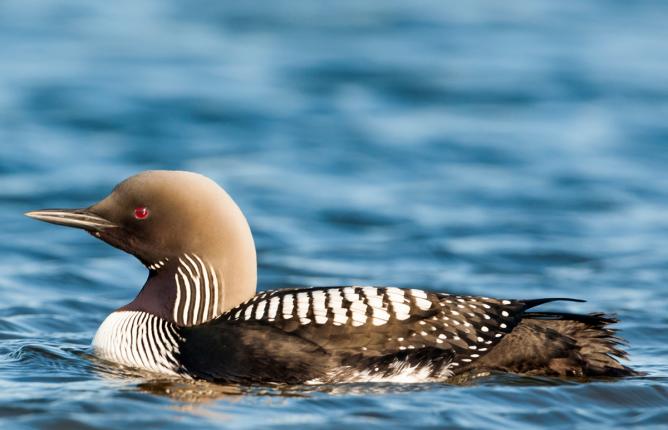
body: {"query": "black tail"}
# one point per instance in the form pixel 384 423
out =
pixel 561 344
pixel 597 346
pixel 597 319
pixel 528 304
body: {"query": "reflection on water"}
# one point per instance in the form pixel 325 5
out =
pixel 515 149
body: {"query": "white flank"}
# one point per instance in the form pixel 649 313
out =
pixel 397 372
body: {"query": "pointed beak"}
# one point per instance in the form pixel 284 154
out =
pixel 78 218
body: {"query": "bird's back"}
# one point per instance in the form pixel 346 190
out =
pixel 356 334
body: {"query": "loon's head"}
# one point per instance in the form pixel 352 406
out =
pixel 162 217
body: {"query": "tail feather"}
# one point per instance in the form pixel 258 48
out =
pixel 528 304
pixel 596 319
pixel 563 344
pixel 599 345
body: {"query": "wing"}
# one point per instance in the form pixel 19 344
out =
pixel 375 326
pixel 249 352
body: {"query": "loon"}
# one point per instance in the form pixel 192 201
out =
pixel 198 314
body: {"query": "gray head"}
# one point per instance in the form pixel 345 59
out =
pixel 186 230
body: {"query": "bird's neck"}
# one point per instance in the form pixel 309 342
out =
pixel 186 290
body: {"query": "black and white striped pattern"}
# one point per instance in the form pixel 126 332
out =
pixel 199 296
pixel 356 306
pixel 409 318
pixel 140 340
pixel 158 264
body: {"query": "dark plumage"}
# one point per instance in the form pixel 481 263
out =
pixel 198 314
pixel 229 349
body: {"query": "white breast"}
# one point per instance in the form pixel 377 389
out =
pixel 138 339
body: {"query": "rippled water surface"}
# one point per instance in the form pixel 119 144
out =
pixel 514 149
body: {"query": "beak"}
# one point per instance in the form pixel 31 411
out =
pixel 78 218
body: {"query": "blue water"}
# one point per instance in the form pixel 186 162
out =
pixel 513 149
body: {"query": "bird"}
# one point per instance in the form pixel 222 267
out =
pixel 198 314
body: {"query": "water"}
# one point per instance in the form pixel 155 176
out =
pixel 515 149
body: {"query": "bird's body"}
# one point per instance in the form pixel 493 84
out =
pixel 361 334
pixel 198 314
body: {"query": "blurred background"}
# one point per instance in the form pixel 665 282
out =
pixel 512 149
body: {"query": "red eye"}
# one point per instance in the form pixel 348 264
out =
pixel 141 212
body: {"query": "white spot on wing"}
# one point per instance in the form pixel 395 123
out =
pixel 336 305
pixel 259 310
pixel 319 309
pixel 273 307
pixel 357 307
pixel 402 311
pixel 350 294
pixel 372 297
pixel 380 314
pixel 288 306
pixel 303 307
pixel 421 299
pixel 423 304
pixel 395 294
pixel 380 317
pixel 249 312
pixel 418 294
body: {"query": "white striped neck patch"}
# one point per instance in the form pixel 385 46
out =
pixel 186 290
